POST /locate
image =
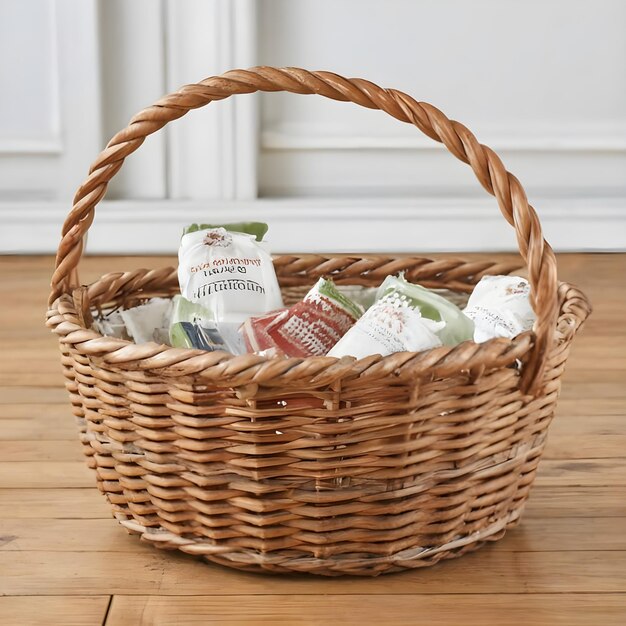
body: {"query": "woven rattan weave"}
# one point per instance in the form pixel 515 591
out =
pixel 315 465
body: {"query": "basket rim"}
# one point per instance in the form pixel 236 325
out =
pixel 224 369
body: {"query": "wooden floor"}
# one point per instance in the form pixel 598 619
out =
pixel 63 560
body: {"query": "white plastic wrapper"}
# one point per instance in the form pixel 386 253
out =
pixel 111 324
pixel 229 273
pixel 500 307
pixel 149 321
pixel 390 325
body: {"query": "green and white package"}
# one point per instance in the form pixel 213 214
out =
pixel 390 325
pixel 405 317
pixel 457 326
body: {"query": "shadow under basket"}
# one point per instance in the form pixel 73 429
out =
pixel 318 465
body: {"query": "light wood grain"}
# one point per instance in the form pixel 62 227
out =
pixel 87 503
pixel 574 501
pixel 582 472
pixel 489 570
pixel 44 427
pixel 49 414
pixel 588 436
pixel 11 394
pixel 54 611
pixel 62 556
pixel 45 474
pixel 65 535
pixel 48 450
pixel 396 610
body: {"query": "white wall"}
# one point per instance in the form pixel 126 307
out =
pixel 543 82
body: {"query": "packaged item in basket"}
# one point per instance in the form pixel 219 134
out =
pixel 309 328
pixel 145 322
pixel 111 324
pixel 457 327
pixel 229 273
pixel 391 324
pixel 193 326
pixel 500 307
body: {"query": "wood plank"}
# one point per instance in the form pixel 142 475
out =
pixel 580 437
pixel 487 571
pixel 44 427
pixel 78 504
pixel 64 535
pixel 20 451
pixel 593 446
pixel 106 535
pixel 574 501
pixel 54 414
pixel 54 610
pixel 587 424
pixel 13 394
pixel 45 475
pixel 535 534
pixel 414 608
pixel 582 472
pixel 18 369
pixel 607 350
pixel 592 382
pixel 574 407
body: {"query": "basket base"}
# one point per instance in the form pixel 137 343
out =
pixel 339 565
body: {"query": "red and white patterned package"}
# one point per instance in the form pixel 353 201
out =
pixel 308 328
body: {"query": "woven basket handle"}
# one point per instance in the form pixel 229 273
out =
pixel 487 166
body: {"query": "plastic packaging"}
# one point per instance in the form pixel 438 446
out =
pixel 144 322
pixel 391 324
pixel 309 328
pixel 193 326
pixel 111 324
pixel 500 307
pixel 457 327
pixel 230 274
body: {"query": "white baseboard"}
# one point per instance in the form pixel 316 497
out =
pixel 422 225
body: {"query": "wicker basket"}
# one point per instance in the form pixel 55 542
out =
pixel 315 465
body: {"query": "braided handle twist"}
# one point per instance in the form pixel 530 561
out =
pixel 485 163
